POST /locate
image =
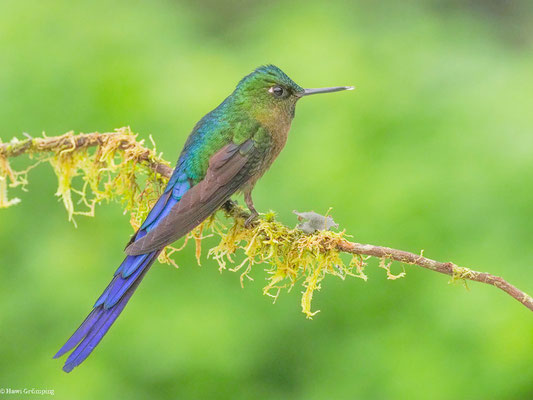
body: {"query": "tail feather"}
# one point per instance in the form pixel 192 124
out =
pixel 125 280
pixel 99 329
pixel 128 266
pixel 123 283
pixel 81 332
pixel 98 322
pixel 134 265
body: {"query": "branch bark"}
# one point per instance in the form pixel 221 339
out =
pixel 70 141
pixel 446 268
pixel 144 155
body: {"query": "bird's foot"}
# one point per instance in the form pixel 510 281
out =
pixel 253 212
pixel 250 220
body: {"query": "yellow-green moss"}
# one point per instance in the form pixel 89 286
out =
pixel 111 171
pixel 292 256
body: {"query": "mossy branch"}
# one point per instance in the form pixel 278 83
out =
pixel 114 166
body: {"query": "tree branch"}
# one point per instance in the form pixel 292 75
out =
pixel 55 144
pixel 446 268
pixel 127 142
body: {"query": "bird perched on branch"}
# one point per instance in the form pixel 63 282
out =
pixel 228 150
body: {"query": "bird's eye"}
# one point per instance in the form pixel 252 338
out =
pixel 277 91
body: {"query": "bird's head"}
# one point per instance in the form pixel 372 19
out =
pixel 270 93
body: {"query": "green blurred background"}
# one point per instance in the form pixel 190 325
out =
pixel 433 151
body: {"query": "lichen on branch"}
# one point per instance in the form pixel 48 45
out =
pixel 291 254
pixel 96 167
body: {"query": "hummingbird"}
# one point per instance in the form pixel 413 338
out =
pixel 228 150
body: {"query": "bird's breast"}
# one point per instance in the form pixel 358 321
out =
pixel 279 139
pixel 270 145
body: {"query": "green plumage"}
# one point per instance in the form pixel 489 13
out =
pixel 249 112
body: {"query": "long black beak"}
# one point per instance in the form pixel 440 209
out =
pixel 307 92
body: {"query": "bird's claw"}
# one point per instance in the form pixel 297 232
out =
pixel 251 219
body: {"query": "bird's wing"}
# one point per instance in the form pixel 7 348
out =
pixel 229 169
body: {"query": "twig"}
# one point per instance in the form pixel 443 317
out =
pixel 70 141
pixel 447 268
pixel 128 141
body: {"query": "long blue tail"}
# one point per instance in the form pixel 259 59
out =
pixel 106 310
pixel 126 279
